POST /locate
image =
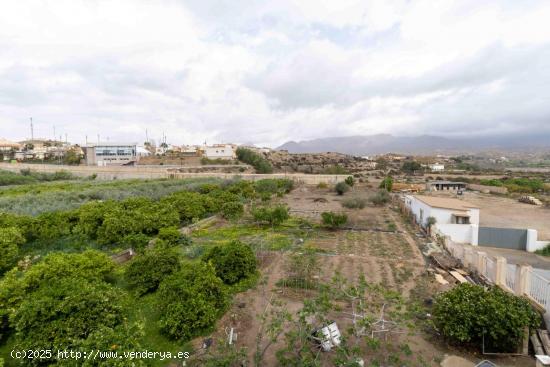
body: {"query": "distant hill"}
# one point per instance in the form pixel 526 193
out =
pixel 423 144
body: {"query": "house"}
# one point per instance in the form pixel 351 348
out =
pixel 8 148
pixel 445 186
pixel 436 167
pixel 109 154
pixel 218 151
pixel 452 217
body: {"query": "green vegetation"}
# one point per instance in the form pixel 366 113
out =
pixel 334 220
pixel 233 262
pixel 341 188
pixel 27 176
pixel 271 215
pixel 64 295
pixel 260 164
pixel 350 181
pixel 380 198
pixel 411 167
pixel 217 161
pixel 322 185
pixel 525 185
pixel 355 202
pixel 146 271
pixel 10 240
pixel 544 251
pixel 467 313
pixel 386 184
pixel 335 170
pixel 191 301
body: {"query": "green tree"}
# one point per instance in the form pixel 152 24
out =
pixel 232 210
pixel 10 240
pixel 148 270
pixel 350 181
pixel 467 312
pixel 191 300
pixel 411 167
pixel 71 157
pixel 272 216
pixel 260 164
pixel 233 262
pixel 172 236
pixel 386 184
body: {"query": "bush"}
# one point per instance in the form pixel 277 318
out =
pixel 354 203
pixel 190 301
pixel 260 164
pixel 172 236
pixel 386 184
pixel 272 216
pixel 137 241
pixel 349 181
pixel 322 185
pixel 148 270
pixel 544 251
pixel 10 240
pixel 233 262
pixel 334 220
pixel 232 210
pixel 341 188
pixel 468 311
pixel 380 198
pixel 335 170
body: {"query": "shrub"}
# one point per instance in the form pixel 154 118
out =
pixel 380 198
pixel 147 271
pixel 386 184
pixel 10 240
pixel 341 188
pixel 260 164
pixel 354 203
pixel 233 262
pixel 232 210
pixel 272 216
pixel 171 235
pixel 335 170
pixel 190 301
pixel 322 185
pixel 136 241
pixel 334 220
pixel 544 251
pixel 349 181
pixel 468 311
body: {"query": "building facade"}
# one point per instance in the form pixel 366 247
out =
pixel 107 154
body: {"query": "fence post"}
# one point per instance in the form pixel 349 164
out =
pixel 523 279
pixel 468 257
pixel 500 271
pixel 481 262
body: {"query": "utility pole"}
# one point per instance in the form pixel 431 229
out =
pixel 54 132
pixel 32 131
pixel 146 136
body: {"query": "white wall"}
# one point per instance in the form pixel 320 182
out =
pixel 460 233
pixel 441 215
pixel 225 152
pixel 532 243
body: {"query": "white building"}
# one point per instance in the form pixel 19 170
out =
pixel 455 218
pixel 436 167
pixel 110 154
pixel 219 151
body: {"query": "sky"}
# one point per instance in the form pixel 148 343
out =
pixel 266 72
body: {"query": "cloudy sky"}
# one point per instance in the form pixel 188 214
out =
pixel 271 71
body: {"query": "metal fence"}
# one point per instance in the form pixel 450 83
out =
pixel 539 289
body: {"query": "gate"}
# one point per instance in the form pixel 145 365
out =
pixel 503 237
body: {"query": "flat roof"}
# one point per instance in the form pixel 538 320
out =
pixel 447 182
pixel 445 203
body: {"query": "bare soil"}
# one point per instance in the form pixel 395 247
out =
pixel 389 258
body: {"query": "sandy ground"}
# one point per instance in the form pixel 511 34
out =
pixel 504 212
pixel 389 258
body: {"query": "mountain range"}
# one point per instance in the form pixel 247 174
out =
pixel 361 145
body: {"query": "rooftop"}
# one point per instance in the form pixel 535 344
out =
pixel 440 182
pixel 445 203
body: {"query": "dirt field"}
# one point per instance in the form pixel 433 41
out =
pixel 384 249
pixel 509 213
